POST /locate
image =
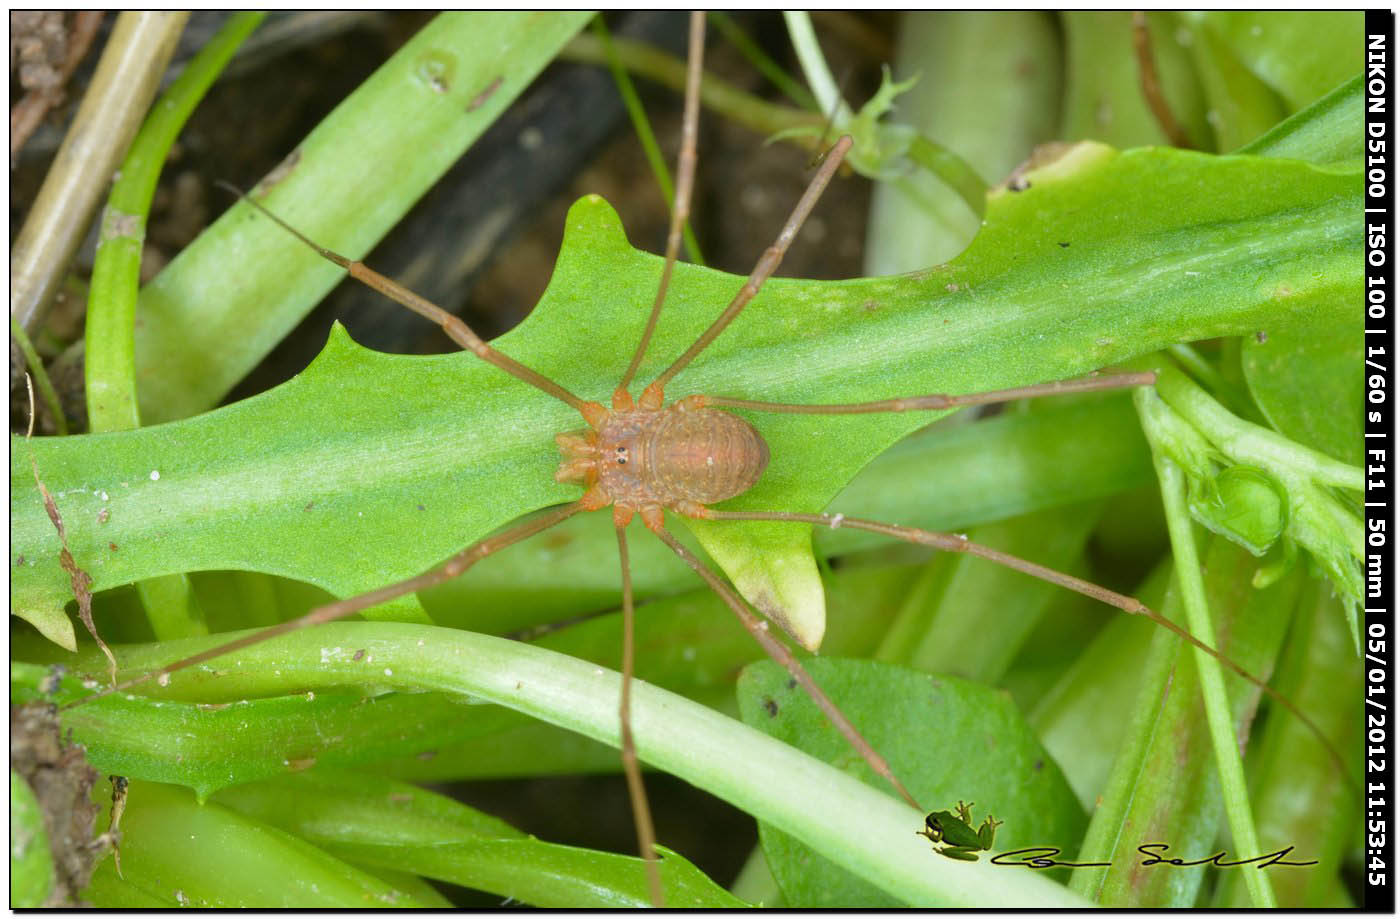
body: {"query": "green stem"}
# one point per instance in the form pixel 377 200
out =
pixel 1249 443
pixel 809 55
pixel 952 170
pixel 116 273
pixel 717 95
pixel 1196 431
pixel 1217 704
pixel 1200 368
pixel 937 159
pixel 110 344
pixel 41 377
pixel 762 62
pixel 642 126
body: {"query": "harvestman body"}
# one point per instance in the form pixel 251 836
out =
pixel 645 457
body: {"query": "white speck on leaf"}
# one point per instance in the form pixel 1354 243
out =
pixel 155 475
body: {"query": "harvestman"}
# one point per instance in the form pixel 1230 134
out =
pixel 644 457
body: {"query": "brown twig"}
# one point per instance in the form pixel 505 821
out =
pixel 80 579
pixel 1152 86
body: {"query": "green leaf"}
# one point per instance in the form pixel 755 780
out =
pixel 369 468
pixel 230 296
pixel 946 739
pixel 1242 106
pixel 958 600
pixel 1328 132
pixel 1300 797
pixel 181 853
pixel 213 745
pixel 1307 380
pixel 1103 97
pixel 381 823
pixel 1302 54
pixel 31 862
pixel 1163 787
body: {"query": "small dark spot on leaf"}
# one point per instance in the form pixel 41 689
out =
pixel 309 505
pixel 792 683
pixel 870 306
pixel 1039 765
pixel 771 707
pixel 19 561
pixel 359 655
pixel 112 546
pixel 480 98
pixel 1261 337
pixel 422 508
pixel 1063 245
pixel 1018 183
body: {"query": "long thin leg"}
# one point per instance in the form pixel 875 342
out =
pixel 934 401
pixel 652 396
pixel 455 328
pixel 951 542
pixel 342 608
pixel 685 181
pixel 641 809
pixel 758 628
